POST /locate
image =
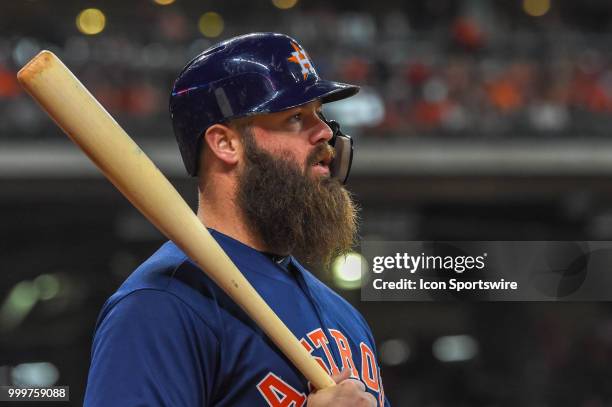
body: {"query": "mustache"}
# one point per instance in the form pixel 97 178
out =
pixel 320 153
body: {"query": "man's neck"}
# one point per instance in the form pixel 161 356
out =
pixel 221 213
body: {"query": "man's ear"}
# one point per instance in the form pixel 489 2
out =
pixel 223 142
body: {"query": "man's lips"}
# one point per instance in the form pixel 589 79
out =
pixel 321 169
pixel 320 159
pixel 323 160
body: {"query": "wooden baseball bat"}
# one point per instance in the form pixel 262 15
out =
pixel 93 129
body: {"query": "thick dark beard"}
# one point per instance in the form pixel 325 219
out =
pixel 313 219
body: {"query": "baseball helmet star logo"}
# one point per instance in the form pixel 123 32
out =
pixel 299 57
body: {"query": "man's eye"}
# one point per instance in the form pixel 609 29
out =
pixel 296 117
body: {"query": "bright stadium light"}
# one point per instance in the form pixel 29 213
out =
pixel 346 271
pixel 284 4
pixel 536 8
pixel 164 2
pixel 210 24
pixel 91 21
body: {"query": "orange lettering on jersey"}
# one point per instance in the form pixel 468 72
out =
pixel 320 341
pixel 280 394
pixel 309 349
pixel 369 370
pixel 306 345
pixel 345 352
pixel 381 394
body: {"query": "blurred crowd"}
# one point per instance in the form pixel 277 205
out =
pixel 471 74
pixel 432 68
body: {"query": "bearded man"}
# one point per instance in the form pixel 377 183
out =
pixel 248 121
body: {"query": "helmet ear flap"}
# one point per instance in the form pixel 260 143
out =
pixel 340 167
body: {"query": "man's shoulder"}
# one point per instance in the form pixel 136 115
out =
pixel 157 271
pixel 168 271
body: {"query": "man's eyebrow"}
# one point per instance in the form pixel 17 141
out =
pixel 298 109
pixel 292 111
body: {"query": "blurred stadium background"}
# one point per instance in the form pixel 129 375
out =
pixel 478 120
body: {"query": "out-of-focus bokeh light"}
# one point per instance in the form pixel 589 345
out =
pixel 38 374
pixel 394 352
pixel 48 286
pixel 24 50
pixel 536 8
pixel 211 24
pixel 18 304
pixel 455 348
pixel 367 108
pixel 164 2
pixel 284 4
pixel 91 21
pixel 346 271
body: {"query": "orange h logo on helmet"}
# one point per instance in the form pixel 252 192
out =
pixel 300 57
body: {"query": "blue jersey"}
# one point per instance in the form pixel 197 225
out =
pixel 170 337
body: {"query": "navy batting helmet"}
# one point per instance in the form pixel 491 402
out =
pixel 251 74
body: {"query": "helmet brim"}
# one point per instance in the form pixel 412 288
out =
pixel 325 91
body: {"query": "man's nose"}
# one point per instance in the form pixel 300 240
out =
pixel 322 132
